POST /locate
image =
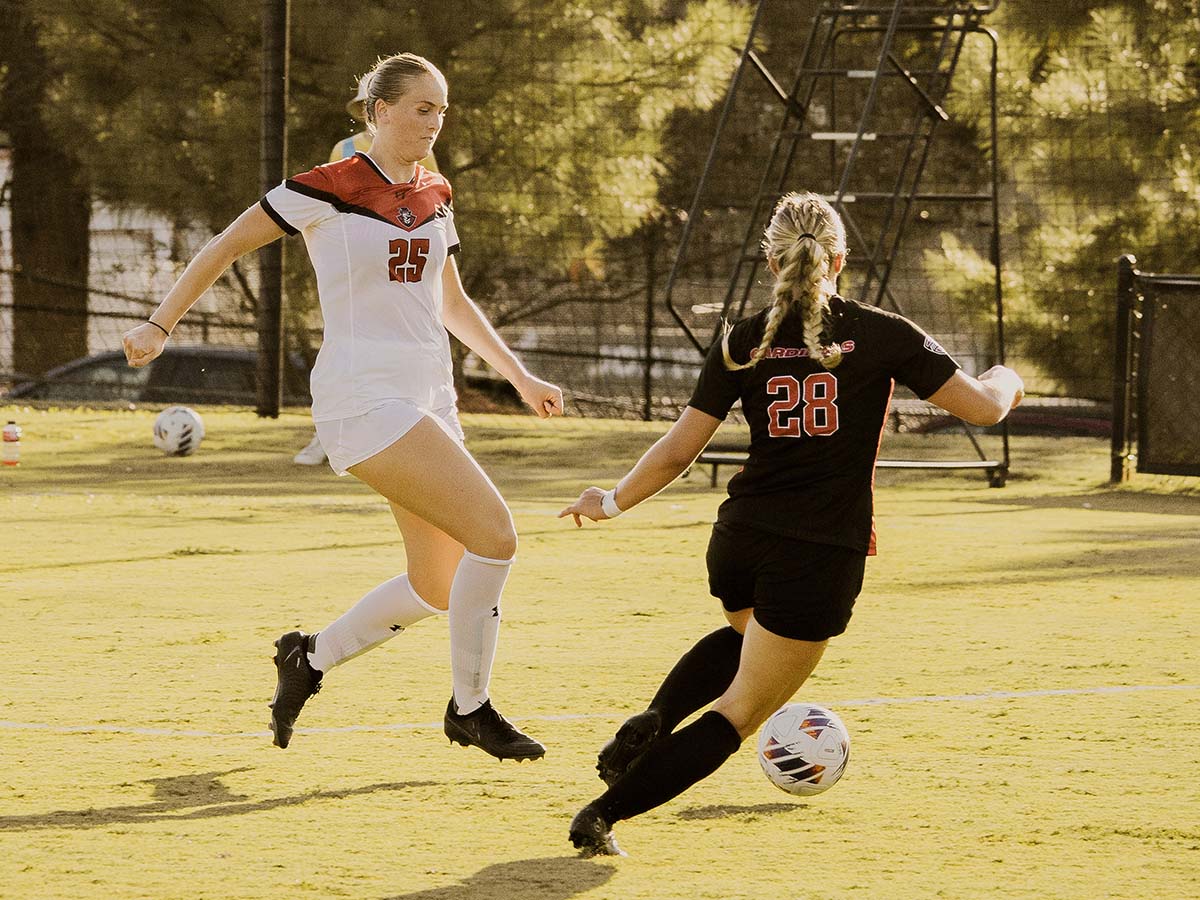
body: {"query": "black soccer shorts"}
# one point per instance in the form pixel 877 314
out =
pixel 798 589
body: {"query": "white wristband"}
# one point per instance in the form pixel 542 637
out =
pixel 608 503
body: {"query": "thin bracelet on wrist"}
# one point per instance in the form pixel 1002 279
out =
pixel 608 503
pixel 159 327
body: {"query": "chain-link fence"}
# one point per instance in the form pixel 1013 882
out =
pixel 560 133
pixel 572 182
pixel 1157 381
pixel 1098 115
pixel 1169 396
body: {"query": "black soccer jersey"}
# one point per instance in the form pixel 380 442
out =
pixel 815 432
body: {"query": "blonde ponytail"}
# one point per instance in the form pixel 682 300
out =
pixel 804 236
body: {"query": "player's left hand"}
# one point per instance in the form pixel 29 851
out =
pixel 545 398
pixel 588 505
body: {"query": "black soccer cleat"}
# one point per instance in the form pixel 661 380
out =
pixel 490 732
pixel 592 835
pixel 297 681
pixel 631 741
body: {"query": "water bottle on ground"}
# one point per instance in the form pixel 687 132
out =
pixel 11 453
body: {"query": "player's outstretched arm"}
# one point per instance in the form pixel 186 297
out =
pixel 249 231
pixel 463 319
pixel 658 467
pixel 984 400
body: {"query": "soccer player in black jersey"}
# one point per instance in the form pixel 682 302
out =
pixel 814 373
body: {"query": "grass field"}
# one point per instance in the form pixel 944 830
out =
pixel 1021 680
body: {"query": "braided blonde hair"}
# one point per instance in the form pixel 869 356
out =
pixel 804 236
pixel 392 77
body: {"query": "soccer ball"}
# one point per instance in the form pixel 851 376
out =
pixel 178 431
pixel 803 749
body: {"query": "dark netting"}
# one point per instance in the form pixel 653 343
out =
pixel 1095 163
pixel 842 109
pixel 1168 402
pixel 567 231
pixel 562 142
pixel 575 141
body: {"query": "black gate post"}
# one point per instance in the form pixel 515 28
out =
pixel 1123 368
pixel 653 236
pixel 271 172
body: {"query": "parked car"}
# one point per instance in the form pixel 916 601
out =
pixel 183 374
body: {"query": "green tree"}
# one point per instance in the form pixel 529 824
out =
pixel 160 101
pixel 50 202
pixel 552 143
pixel 1100 109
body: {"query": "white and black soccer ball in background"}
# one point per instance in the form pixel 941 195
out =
pixel 804 749
pixel 178 431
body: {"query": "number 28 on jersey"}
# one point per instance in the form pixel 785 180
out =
pixel 817 394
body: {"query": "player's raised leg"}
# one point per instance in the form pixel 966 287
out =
pixel 700 676
pixel 458 498
pixel 302 660
pixel 772 669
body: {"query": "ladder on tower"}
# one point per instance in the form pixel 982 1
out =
pixel 857 123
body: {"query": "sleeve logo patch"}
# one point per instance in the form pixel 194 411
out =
pixel 934 347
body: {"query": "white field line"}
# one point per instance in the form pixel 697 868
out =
pixel 415 726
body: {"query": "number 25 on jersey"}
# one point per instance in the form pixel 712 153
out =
pixel 408 259
pixel 819 395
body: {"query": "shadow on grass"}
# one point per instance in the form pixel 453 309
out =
pixel 270 553
pixel 1165 555
pixel 728 811
pixel 1168 556
pixel 216 473
pixel 1104 499
pixel 183 797
pixel 247 457
pixel 546 878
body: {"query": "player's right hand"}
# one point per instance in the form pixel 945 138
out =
pixel 1014 381
pixel 143 344
pixel 589 504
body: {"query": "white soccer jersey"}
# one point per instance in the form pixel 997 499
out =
pixel 379 249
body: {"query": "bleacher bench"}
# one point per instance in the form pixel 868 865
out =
pixel 717 455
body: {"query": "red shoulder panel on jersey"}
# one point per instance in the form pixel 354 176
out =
pixel 354 185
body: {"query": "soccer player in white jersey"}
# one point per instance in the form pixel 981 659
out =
pixel 380 232
pixel 313 454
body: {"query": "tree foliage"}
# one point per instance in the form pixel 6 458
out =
pixel 162 97
pixel 570 149
pixel 49 200
pixel 1100 111
pixel 554 134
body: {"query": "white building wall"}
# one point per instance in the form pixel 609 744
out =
pixel 135 257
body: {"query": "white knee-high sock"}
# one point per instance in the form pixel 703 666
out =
pixel 475 626
pixel 382 613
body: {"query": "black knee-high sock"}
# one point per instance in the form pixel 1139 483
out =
pixel 700 677
pixel 670 767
